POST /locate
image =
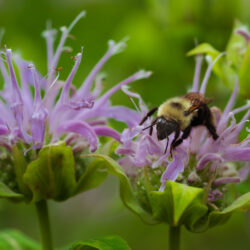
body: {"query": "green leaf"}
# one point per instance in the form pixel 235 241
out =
pixel 220 67
pixel 52 174
pixel 14 240
pixel 126 193
pixel 104 243
pixel 6 192
pixel 92 177
pixel 215 218
pixel 204 48
pixel 235 47
pixel 244 75
pixel 178 204
pixel 20 165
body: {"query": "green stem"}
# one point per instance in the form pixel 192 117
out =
pixel 44 224
pixel 174 238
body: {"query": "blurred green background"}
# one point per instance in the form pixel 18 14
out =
pixel 161 32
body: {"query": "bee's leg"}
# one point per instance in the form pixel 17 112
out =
pixel 176 136
pixel 209 124
pixel 185 135
pixel 150 113
pixel 211 129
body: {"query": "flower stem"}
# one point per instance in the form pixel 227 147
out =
pixel 44 225
pixel 174 238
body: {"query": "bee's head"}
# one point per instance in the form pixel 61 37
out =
pixel 165 128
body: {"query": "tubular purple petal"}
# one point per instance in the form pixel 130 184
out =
pixel 119 113
pixel 158 162
pixel 106 131
pixel 244 172
pixel 3 129
pixel 138 75
pixel 37 127
pixel 208 72
pixel 65 33
pixel 81 128
pixel 208 158
pixel 235 153
pixel 49 35
pixel 171 173
pixel 16 91
pixel 243 32
pixel 196 80
pixel 224 180
pixel 128 134
pixel 65 92
pixel 86 86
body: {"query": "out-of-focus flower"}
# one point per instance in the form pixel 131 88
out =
pixel 199 161
pixel 39 119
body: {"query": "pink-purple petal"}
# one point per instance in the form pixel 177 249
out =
pixel 106 131
pixel 81 128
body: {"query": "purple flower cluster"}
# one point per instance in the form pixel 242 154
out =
pixel 199 160
pixel 57 110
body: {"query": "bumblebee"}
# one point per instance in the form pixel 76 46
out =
pixel 181 114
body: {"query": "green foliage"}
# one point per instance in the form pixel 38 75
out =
pixel 13 240
pixel 52 174
pixel 178 205
pixel 91 178
pixel 104 243
pixel 235 66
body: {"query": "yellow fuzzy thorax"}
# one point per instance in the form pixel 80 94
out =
pixel 174 108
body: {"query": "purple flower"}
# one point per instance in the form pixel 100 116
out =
pixel 61 112
pixel 199 161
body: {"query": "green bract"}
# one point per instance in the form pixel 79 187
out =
pixel 235 63
pixel 178 205
pixel 53 174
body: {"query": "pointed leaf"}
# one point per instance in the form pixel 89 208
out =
pixel 220 68
pixel 14 240
pixel 235 47
pixel 204 48
pixel 215 218
pixel 92 177
pixel 6 192
pixel 20 165
pixel 52 174
pixel 244 74
pixel 177 203
pixel 104 243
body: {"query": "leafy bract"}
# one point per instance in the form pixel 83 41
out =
pixel 52 174
pixel 103 243
pixel 178 204
pixel 235 65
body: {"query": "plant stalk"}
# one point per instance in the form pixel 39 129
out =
pixel 174 237
pixel 44 225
